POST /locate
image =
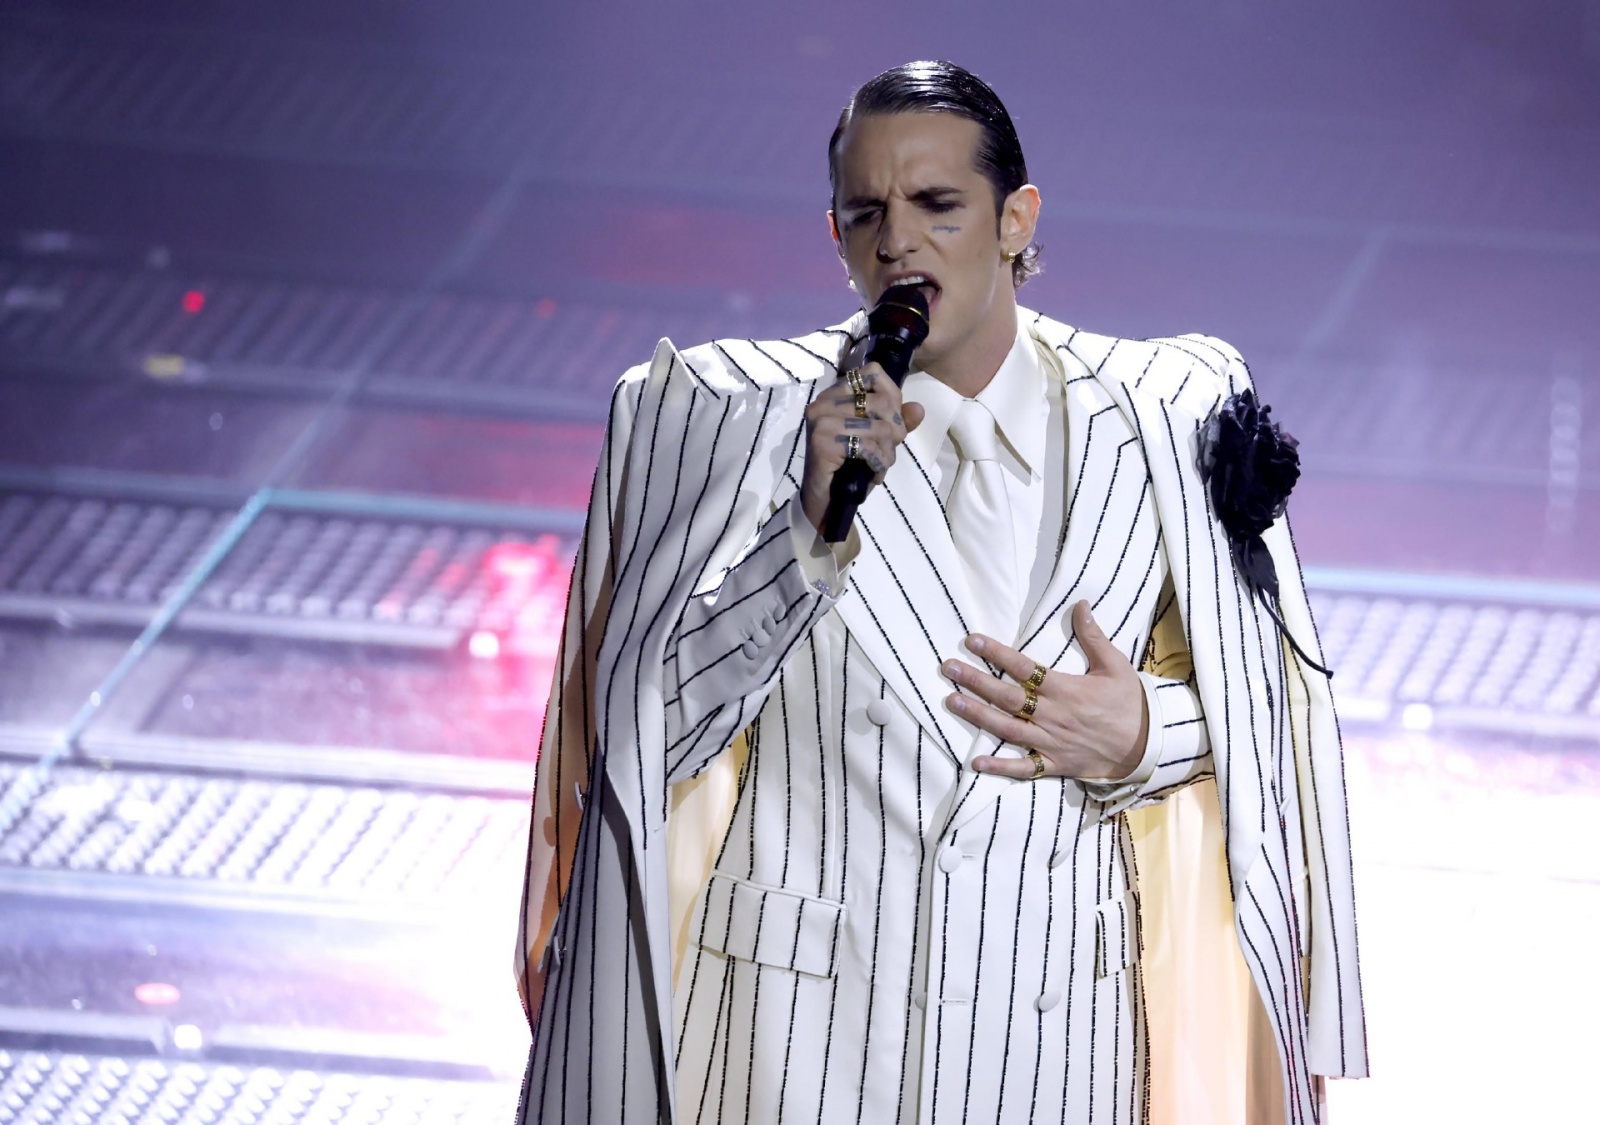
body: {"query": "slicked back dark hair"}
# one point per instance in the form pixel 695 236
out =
pixel 944 87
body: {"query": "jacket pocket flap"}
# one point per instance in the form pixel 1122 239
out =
pixel 1116 935
pixel 772 926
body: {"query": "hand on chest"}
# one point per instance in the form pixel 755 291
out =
pixel 911 602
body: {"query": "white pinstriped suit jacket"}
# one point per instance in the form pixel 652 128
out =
pixel 703 445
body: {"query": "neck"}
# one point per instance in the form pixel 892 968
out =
pixel 969 367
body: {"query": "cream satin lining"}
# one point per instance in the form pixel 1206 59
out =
pixel 701 810
pixel 1213 1059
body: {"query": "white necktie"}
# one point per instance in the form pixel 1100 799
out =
pixel 980 522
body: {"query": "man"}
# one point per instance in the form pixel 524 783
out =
pixel 925 907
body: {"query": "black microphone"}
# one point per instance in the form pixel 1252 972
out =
pixel 895 328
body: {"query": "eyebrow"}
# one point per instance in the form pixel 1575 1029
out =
pixel 926 195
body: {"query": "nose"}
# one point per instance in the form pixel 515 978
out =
pixel 897 235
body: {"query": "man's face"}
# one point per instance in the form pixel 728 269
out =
pixel 911 203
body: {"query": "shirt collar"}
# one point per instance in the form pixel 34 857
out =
pixel 1015 396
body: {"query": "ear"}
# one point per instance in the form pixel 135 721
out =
pixel 833 229
pixel 1019 217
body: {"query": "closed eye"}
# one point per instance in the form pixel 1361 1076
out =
pixel 939 200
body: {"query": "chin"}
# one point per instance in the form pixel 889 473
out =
pixel 925 358
pixel 940 338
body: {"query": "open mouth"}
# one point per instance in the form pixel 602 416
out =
pixel 927 285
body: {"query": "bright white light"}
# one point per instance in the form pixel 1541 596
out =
pixel 187 1037
pixel 1417 716
pixel 134 810
pixel 484 645
pixel 78 800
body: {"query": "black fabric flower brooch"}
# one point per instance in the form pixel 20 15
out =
pixel 1250 466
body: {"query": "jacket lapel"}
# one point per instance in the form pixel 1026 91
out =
pixel 908 604
pixel 1229 667
pixel 1105 468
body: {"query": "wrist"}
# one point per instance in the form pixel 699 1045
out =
pixel 815 507
pixel 1135 755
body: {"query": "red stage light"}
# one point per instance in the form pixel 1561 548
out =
pixel 545 309
pixel 526 605
pixel 515 562
pixel 193 301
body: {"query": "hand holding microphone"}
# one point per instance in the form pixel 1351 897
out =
pixel 855 427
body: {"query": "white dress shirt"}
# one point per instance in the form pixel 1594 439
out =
pixel 1027 406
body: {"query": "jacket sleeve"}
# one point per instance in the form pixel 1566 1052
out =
pixel 738 630
pixel 1336 1043
pixel 1177 748
pixel 565 762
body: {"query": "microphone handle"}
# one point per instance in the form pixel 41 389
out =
pixel 845 494
pixel 854 478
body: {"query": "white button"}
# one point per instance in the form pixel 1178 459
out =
pixel 769 623
pixel 1058 857
pixel 750 649
pixel 919 999
pixel 1048 999
pixel 949 860
pixel 879 712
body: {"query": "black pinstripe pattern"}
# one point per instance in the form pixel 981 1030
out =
pixel 758 1036
pixel 843 845
pixel 877 919
pixel 1016 935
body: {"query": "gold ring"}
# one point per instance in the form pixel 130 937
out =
pixel 852 449
pixel 853 377
pixel 1030 703
pixel 1038 764
pixel 861 404
pixel 1036 680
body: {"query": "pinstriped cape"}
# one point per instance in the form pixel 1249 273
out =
pixel 696 445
